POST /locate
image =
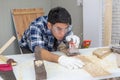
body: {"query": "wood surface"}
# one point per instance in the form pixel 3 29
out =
pixel 93 66
pixel 40 71
pixel 102 52
pixel 23 17
pixel 7 75
pixel 107 23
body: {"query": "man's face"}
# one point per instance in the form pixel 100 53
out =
pixel 59 30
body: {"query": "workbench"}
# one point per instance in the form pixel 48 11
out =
pixel 24 70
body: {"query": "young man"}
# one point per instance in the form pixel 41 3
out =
pixel 45 34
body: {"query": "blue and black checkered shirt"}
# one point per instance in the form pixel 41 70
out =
pixel 38 34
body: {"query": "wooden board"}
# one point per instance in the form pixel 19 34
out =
pixel 23 17
pixel 7 44
pixel 6 72
pixel 40 71
pixel 107 23
pixel 7 75
pixel 102 52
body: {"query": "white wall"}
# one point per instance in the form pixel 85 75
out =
pixel 92 21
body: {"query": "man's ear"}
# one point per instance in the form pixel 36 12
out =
pixel 49 25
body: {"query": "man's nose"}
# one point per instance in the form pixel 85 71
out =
pixel 62 32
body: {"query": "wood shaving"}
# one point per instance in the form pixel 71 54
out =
pixel 93 65
pixel 95 70
pixel 38 63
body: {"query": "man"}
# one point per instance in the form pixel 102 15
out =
pixel 45 34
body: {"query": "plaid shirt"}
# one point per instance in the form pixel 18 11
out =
pixel 38 34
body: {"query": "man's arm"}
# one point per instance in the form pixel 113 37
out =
pixel 46 55
pixel 68 62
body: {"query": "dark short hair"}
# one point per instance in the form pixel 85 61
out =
pixel 59 15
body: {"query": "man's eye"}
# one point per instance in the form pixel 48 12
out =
pixel 59 28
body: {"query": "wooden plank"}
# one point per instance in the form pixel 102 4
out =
pixel 23 17
pixel 7 75
pixel 7 44
pixel 40 71
pixel 28 11
pixel 107 23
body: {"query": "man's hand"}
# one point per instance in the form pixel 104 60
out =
pixel 70 62
pixel 73 41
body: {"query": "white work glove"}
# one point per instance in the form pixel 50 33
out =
pixel 75 39
pixel 70 62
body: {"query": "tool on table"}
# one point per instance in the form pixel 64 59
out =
pixel 3 58
pixel 71 43
pixel 72 49
pixel 8 60
pixel 116 49
pixel 6 71
pixel 40 71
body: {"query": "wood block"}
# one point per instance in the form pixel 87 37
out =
pixel 40 71
pixel 102 52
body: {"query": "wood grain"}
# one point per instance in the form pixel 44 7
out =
pixel 92 66
pixel 23 17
